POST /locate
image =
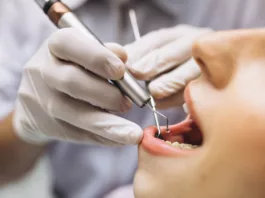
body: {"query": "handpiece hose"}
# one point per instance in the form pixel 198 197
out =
pixel 63 17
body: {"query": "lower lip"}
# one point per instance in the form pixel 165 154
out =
pixel 159 147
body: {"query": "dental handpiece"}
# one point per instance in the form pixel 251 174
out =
pixel 63 17
pixel 137 36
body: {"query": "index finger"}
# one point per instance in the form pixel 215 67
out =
pixel 72 45
pixel 164 59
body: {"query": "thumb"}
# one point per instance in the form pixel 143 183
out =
pixel 118 50
pixel 175 100
pixel 174 81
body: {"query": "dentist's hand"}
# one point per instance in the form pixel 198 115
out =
pixel 163 57
pixel 64 94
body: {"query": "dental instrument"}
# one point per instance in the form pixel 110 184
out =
pixel 137 36
pixel 63 17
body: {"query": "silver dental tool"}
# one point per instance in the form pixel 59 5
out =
pixel 63 17
pixel 152 104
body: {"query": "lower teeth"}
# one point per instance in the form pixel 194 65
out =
pixel 182 145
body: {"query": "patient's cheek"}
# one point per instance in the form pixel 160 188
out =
pixel 241 138
pixel 158 176
pixel 151 171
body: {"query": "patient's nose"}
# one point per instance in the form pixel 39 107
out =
pixel 215 54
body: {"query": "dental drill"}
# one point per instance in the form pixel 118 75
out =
pixel 137 36
pixel 63 17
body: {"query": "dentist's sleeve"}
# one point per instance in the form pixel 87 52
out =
pixel 19 39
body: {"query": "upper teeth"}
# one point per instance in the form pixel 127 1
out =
pixel 185 107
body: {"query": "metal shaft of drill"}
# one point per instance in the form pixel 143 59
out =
pixel 152 105
pixel 163 116
pixel 152 101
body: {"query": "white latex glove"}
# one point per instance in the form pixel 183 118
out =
pixel 164 58
pixel 64 91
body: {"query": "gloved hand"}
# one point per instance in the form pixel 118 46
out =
pixel 64 94
pixel 163 57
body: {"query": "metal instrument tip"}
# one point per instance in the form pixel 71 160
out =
pixel 151 104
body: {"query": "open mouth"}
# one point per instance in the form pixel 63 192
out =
pixel 185 137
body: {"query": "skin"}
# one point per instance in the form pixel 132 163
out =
pixel 228 103
pixel 17 157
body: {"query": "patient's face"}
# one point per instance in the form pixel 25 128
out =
pixel 227 121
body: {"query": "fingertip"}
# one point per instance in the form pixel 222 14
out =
pixel 124 132
pixel 139 75
pixel 54 43
pixel 135 136
pixel 166 86
pixel 118 50
pixel 115 68
pixel 57 41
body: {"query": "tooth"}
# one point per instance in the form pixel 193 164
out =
pixel 181 145
pixel 185 107
pixel 186 146
pixel 176 144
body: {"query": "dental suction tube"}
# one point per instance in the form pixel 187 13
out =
pixel 63 17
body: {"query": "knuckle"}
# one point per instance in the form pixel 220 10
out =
pixel 57 40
